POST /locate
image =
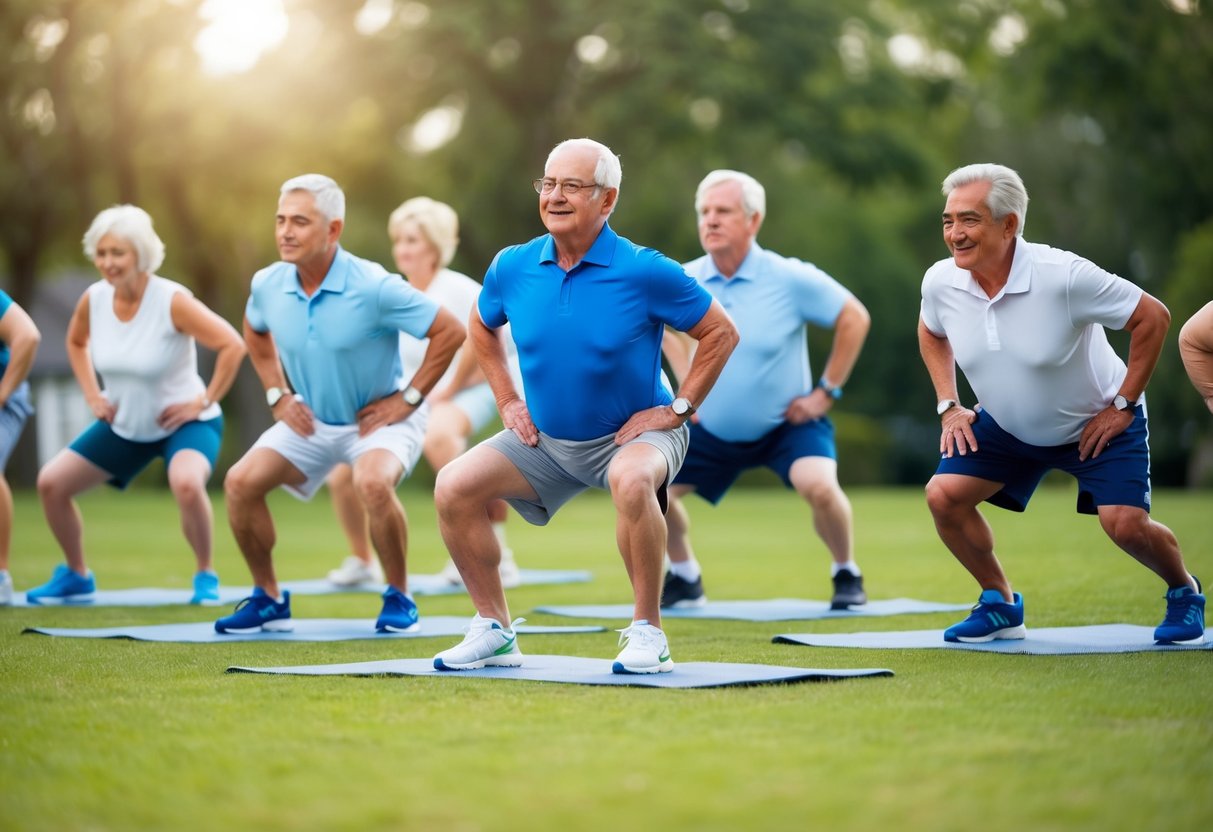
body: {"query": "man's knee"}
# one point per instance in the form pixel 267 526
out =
pixel 1127 526
pixel 375 491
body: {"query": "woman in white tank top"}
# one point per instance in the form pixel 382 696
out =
pixel 138 332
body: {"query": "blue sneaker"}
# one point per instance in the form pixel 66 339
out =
pixel 259 612
pixel 206 589
pixel 399 613
pixel 1185 620
pixel 64 587
pixel 991 618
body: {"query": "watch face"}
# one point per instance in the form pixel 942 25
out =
pixel 413 396
pixel 273 395
pixel 681 407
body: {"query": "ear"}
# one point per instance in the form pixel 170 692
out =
pixel 335 229
pixel 609 198
pixel 755 224
pixel 1010 225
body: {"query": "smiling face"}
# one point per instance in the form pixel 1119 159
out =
pixel 116 259
pixel 978 242
pixel 413 252
pixel 582 215
pixel 305 238
pixel 725 232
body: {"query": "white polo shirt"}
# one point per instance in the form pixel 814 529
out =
pixel 1036 354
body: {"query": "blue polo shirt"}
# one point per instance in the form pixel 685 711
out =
pixel 770 299
pixel 5 303
pixel 341 346
pixel 589 340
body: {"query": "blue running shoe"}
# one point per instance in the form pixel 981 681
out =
pixel 991 618
pixel 259 612
pixel 399 613
pixel 1185 620
pixel 206 589
pixel 64 587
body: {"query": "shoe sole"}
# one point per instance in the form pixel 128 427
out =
pixel 495 661
pixel 687 603
pixel 621 669
pixel 846 605
pixel 53 600
pixel 205 602
pixel 1009 634
pixel 389 628
pixel 1200 639
pixel 268 627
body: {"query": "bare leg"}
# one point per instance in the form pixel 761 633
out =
pixel 375 476
pixel 1151 543
pixel 953 500
pixel 678 525
pixel 246 486
pixel 815 478
pixel 6 522
pixel 462 495
pixel 350 514
pixel 188 473
pixel 59 481
pixel 635 474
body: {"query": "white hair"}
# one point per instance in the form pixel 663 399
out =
pixel 438 223
pixel 753 195
pixel 132 224
pixel 608 173
pixel 330 199
pixel 1007 193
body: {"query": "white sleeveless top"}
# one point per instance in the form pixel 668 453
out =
pixel 145 363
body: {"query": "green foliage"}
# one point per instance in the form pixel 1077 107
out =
pixel 127 735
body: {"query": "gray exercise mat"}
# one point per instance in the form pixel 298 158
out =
pixel 306 629
pixel 1041 641
pixel 774 609
pixel 581 671
pixel 419 585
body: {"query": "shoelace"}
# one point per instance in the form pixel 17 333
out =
pixel 483 625
pixel 1180 611
pixel 642 635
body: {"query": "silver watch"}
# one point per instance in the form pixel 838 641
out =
pixel 682 407
pixel 944 406
pixel 412 396
pixel 273 394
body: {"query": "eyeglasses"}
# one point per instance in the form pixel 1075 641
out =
pixel 570 187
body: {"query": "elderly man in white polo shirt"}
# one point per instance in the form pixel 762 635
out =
pixel 1026 324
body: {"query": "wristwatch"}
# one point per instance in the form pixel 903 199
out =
pixel 1121 403
pixel 412 396
pixel 682 407
pixel 273 394
pixel 834 392
pixel 944 406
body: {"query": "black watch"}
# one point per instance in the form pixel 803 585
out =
pixel 1121 403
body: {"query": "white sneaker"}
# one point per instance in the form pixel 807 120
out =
pixel 6 589
pixel 353 572
pixel 647 650
pixel 508 569
pixel 487 644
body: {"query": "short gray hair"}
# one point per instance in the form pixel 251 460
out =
pixel 753 195
pixel 132 224
pixel 437 221
pixel 1007 193
pixel 330 199
pixel 608 173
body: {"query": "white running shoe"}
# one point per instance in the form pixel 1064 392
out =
pixel 647 650
pixel 6 589
pixel 508 569
pixel 354 572
pixel 487 644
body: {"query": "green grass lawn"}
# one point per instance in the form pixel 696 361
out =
pixel 120 735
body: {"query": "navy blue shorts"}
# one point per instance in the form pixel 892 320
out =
pixel 1119 476
pixel 123 459
pixel 714 464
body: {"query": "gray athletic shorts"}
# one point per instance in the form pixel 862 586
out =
pixel 560 469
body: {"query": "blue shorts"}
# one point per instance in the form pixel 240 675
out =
pixel 12 419
pixel 714 464
pixel 1119 476
pixel 123 459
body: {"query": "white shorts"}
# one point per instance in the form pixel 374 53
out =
pixel 478 404
pixel 330 445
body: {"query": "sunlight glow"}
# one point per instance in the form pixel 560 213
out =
pixel 238 33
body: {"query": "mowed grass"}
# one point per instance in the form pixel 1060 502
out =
pixel 120 735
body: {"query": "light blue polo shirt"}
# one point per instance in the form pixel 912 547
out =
pixel 770 299
pixel 340 347
pixel 589 340
pixel 5 303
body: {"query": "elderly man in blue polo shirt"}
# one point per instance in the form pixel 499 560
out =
pixel 333 323
pixel 1026 323
pixel 766 409
pixel 587 310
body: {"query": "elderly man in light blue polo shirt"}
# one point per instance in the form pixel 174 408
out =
pixel 323 330
pixel 765 409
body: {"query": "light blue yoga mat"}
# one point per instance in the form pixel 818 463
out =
pixel 581 671
pixel 419 585
pixel 775 609
pixel 306 629
pixel 1042 641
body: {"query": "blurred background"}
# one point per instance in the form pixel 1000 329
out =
pixel 850 113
